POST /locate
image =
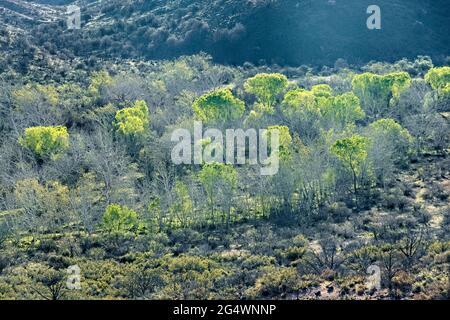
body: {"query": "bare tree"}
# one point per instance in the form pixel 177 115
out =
pixel 412 246
pixel 328 255
pixel 390 260
pixel 113 167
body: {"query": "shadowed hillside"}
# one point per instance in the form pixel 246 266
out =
pixel 289 32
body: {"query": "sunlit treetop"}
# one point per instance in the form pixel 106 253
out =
pixel 46 142
pixel 299 100
pixel 214 174
pixel 320 103
pixel 120 219
pixel 285 139
pixel 134 120
pixel 393 83
pixel 343 110
pixel 352 151
pixel 379 92
pixel 400 82
pixel 266 87
pixel 284 134
pixel 218 106
pixel 439 79
pixel 322 90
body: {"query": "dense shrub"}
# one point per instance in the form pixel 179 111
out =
pixel 46 142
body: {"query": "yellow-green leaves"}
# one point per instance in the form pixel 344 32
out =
pixel 133 121
pixel 400 82
pixel 182 206
pixel 299 101
pixel 120 219
pixel 218 106
pixel 322 90
pixel 392 129
pixel 266 87
pixel 219 182
pixel 285 140
pixel 439 79
pixel 49 202
pixel 352 151
pixel 381 85
pixel 320 104
pixel 343 110
pixel 379 92
pixel 214 174
pixel 46 142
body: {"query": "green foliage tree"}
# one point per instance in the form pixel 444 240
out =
pixel 352 152
pixel 322 90
pixel 133 121
pixel 285 140
pixel 182 208
pixel 301 109
pixel 378 93
pixel 342 110
pixel 46 142
pixel 439 79
pixel 299 102
pixel 266 87
pixel 120 219
pixel 318 108
pixel 219 182
pixel 218 106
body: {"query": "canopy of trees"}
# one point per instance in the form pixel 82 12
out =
pixel 266 88
pixel 120 219
pixel 380 93
pixel 87 180
pixel 439 79
pixel 46 142
pixel 134 120
pixel 218 106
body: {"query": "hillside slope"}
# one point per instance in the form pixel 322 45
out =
pixel 288 32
